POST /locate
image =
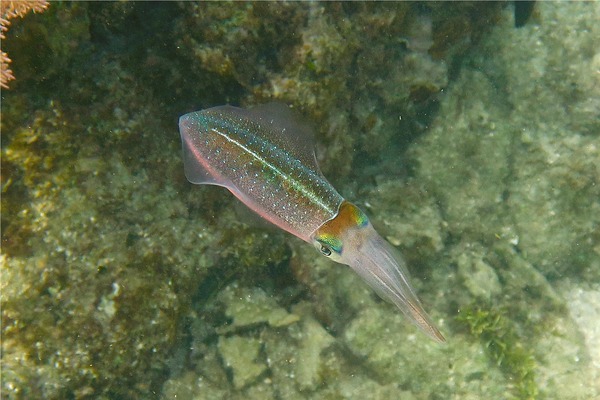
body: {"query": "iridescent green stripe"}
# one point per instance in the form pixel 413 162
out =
pixel 285 159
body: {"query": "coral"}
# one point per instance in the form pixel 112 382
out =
pixel 9 10
pixel 5 72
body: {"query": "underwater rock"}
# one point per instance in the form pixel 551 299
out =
pixel 314 339
pixel 105 245
pixel 313 66
pixel 584 306
pixel 251 306
pixel 514 171
pixel 242 356
pixel 478 276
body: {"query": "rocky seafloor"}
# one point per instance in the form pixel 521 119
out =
pixel 474 147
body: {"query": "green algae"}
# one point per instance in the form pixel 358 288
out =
pixel 504 347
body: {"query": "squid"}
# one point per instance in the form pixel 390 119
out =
pixel 265 156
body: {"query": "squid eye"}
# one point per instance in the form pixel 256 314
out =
pixel 326 251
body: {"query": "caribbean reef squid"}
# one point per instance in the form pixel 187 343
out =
pixel 265 156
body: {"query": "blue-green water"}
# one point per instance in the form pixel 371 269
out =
pixel 472 145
